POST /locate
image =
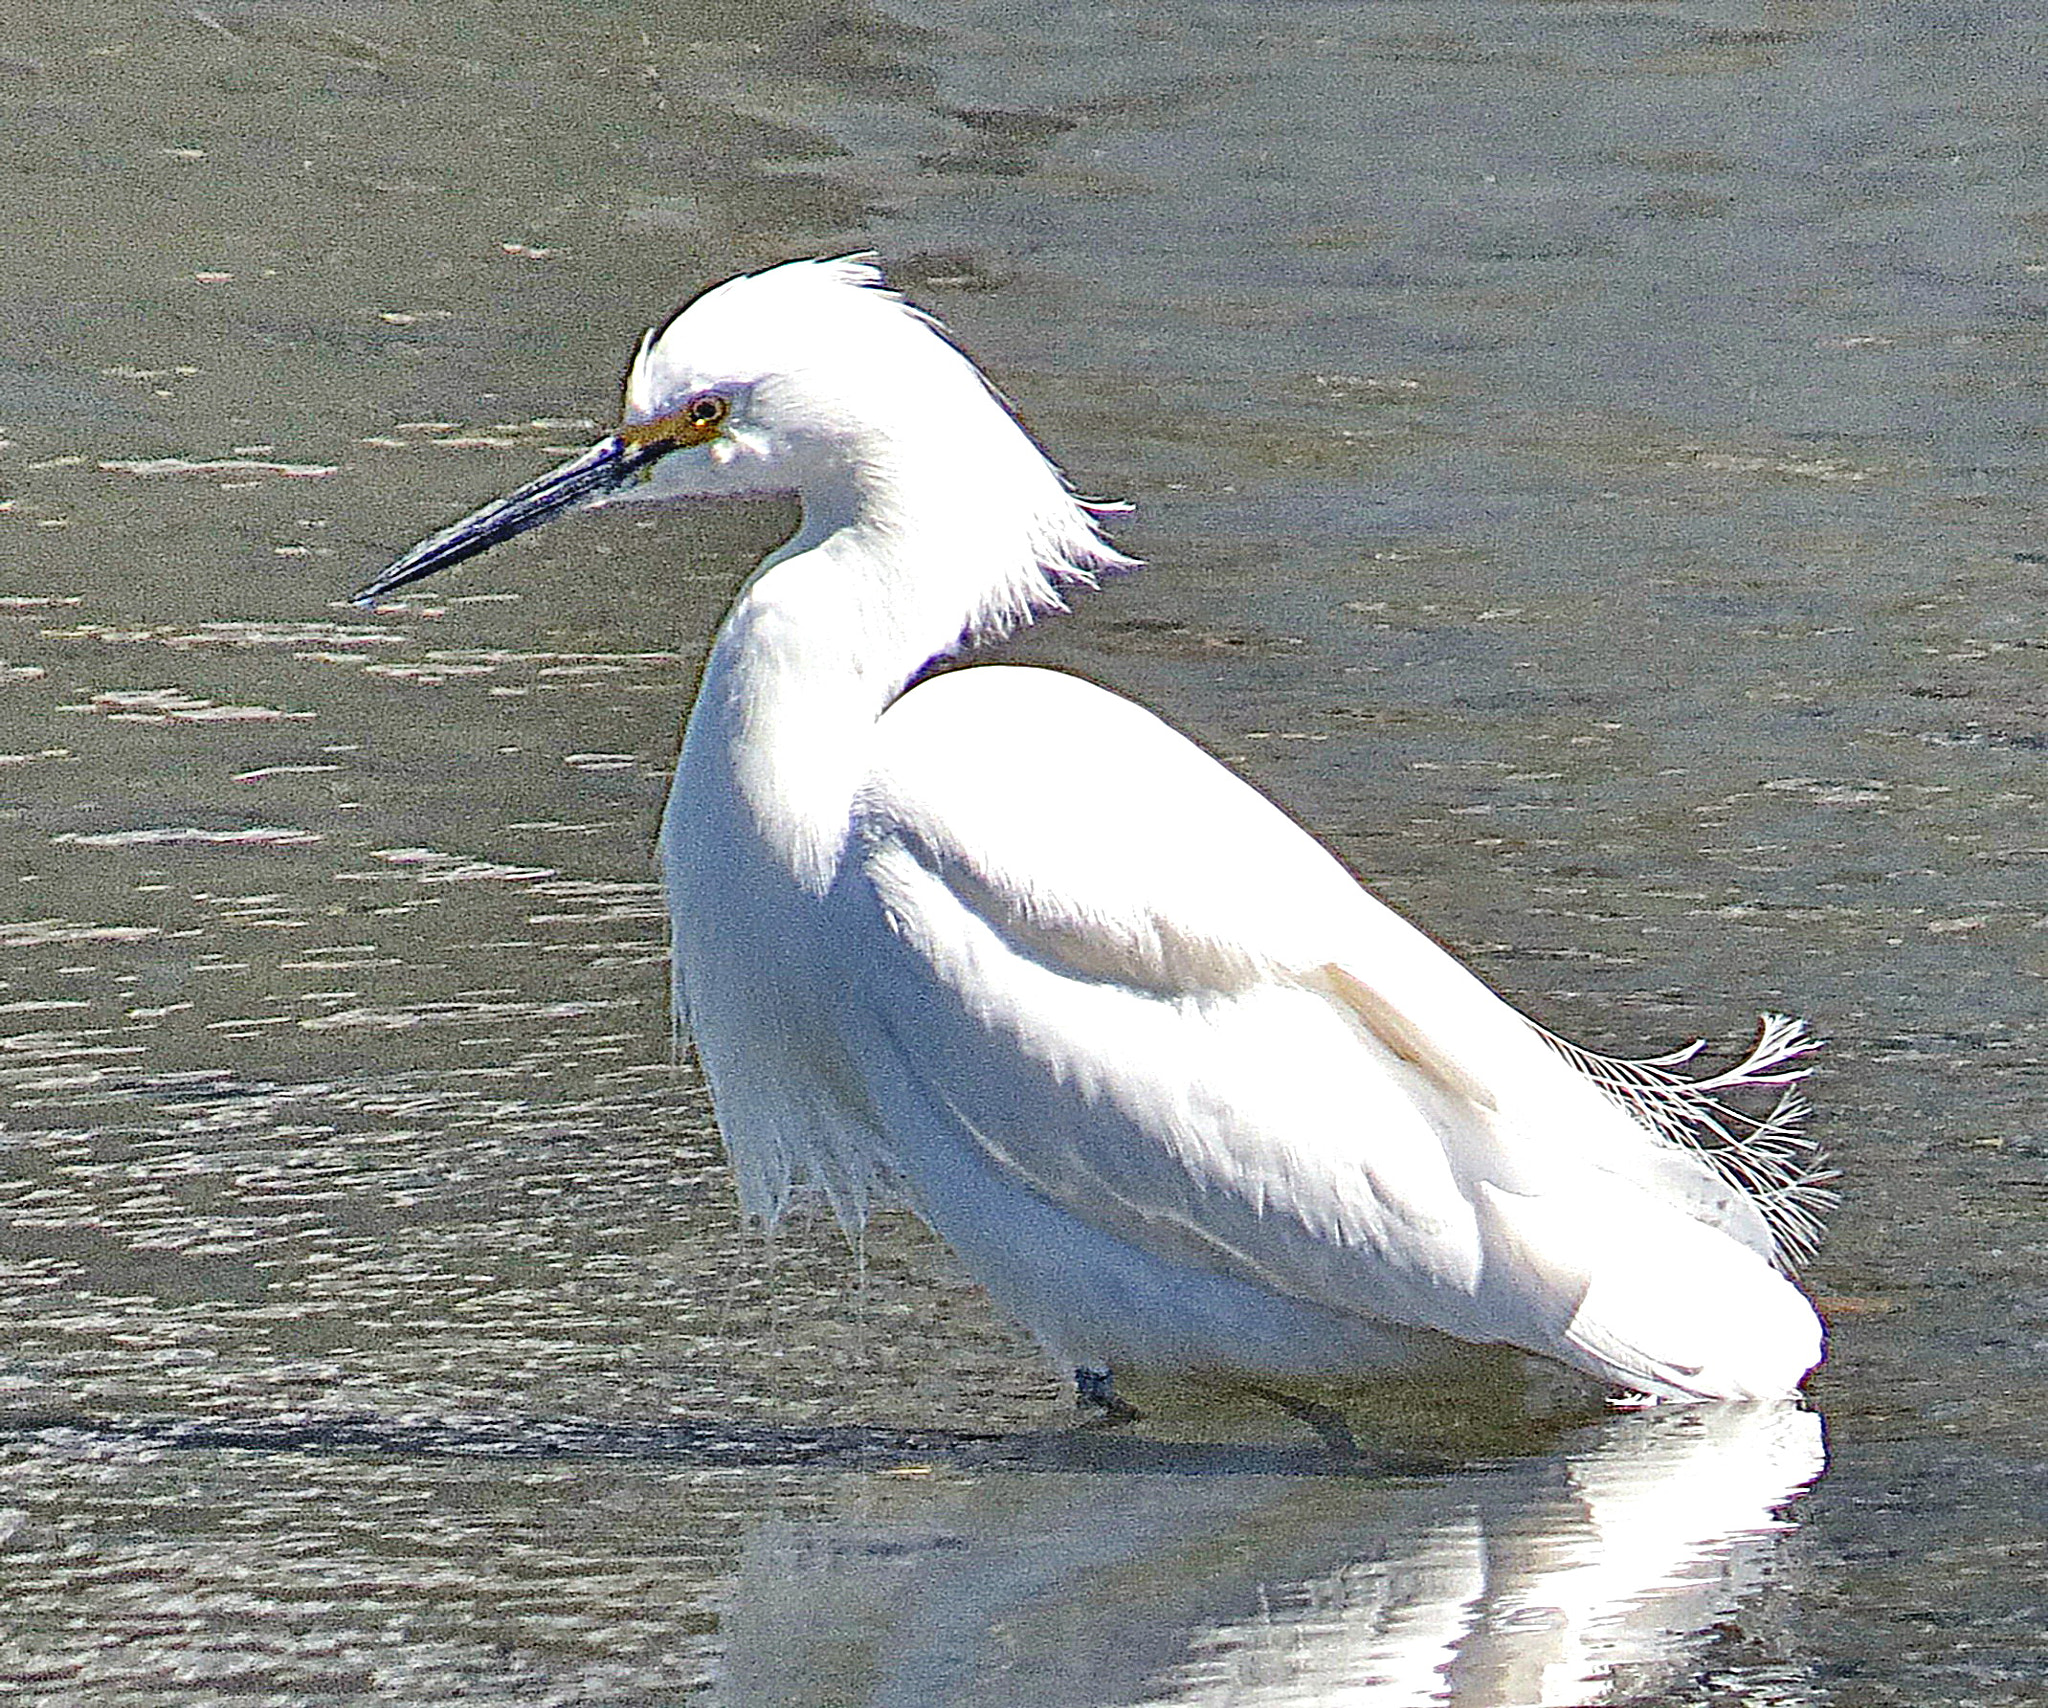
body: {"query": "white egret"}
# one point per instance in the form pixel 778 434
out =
pixel 1187 1099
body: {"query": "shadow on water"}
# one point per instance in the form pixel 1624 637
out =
pixel 709 1444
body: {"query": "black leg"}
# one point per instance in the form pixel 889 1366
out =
pixel 1326 1421
pixel 1095 1391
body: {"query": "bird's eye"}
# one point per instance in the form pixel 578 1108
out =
pixel 706 409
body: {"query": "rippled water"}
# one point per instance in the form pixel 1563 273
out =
pixel 1590 459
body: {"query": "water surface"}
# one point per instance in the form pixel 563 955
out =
pixel 1589 458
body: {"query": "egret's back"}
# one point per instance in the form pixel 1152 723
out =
pixel 1107 970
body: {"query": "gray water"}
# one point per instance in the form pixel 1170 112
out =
pixel 1589 459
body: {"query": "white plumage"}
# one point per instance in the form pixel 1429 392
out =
pixel 1186 1098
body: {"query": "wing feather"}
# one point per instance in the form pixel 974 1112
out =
pixel 1134 986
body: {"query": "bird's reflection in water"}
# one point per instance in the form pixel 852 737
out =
pixel 1540 1581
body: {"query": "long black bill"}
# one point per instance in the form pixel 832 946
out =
pixel 587 479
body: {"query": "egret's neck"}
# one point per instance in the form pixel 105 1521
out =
pixel 817 646
pixel 903 553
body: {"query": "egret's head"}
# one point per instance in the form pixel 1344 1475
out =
pixel 808 379
pixel 788 380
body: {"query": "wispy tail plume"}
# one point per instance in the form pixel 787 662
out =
pixel 1769 1158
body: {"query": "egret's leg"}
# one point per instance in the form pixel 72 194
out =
pixel 1326 1421
pixel 1095 1391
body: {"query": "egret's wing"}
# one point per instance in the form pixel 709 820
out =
pixel 1135 986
